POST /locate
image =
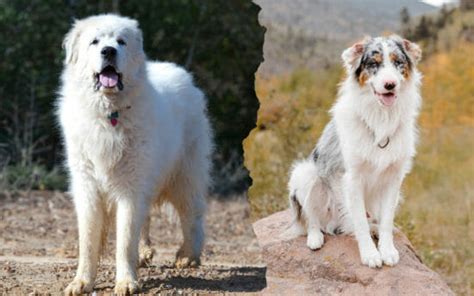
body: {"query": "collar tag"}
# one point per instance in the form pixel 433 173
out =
pixel 113 117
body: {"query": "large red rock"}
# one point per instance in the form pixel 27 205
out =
pixel 292 268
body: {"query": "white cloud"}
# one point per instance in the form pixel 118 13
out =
pixel 439 2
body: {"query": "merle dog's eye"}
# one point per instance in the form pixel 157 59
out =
pixel 121 42
pixel 397 63
pixel 372 64
pixel 95 41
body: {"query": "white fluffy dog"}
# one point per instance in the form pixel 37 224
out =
pixel 354 174
pixel 136 134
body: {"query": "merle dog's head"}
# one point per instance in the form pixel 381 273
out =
pixel 382 65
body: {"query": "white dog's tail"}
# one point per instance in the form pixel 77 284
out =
pixel 302 177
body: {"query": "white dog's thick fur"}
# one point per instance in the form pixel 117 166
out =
pixel 354 174
pixel 136 135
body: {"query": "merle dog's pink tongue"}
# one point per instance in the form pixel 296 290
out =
pixel 108 79
pixel 388 99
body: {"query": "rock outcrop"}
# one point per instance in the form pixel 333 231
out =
pixel 292 268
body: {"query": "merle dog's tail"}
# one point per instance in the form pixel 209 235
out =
pixel 302 177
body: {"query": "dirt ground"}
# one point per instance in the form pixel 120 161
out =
pixel 38 249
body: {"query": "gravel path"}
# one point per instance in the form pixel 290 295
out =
pixel 38 249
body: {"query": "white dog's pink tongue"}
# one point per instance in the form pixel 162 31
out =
pixel 388 99
pixel 108 79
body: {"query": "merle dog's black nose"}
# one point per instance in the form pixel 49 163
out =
pixel 389 85
pixel 108 52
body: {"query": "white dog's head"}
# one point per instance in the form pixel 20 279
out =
pixel 105 52
pixel 382 65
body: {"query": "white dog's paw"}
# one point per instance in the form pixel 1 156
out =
pixel 78 287
pixel 389 255
pixel 126 287
pixel 187 262
pixel 186 259
pixel 146 256
pixel 315 240
pixel 371 257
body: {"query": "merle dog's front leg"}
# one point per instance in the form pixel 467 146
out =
pixel 354 195
pixel 388 206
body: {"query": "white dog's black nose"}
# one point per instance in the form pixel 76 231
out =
pixel 389 85
pixel 108 52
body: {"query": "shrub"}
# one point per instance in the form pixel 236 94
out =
pixel 37 177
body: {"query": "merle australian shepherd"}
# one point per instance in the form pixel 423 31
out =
pixel 351 181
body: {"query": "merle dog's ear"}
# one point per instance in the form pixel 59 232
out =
pixel 352 55
pixel 413 50
pixel 70 43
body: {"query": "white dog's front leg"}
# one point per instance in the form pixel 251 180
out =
pixel 388 206
pixel 130 215
pixel 90 217
pixel 354 194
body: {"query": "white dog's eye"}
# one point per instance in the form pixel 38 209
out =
pixel 121 42
pixel 95 41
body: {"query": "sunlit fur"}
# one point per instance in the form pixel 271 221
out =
pixel 158 151
pixel 352 179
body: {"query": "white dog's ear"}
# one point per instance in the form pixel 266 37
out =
pixel 70 44
pixel 137 32
pixel 139 37
pixel 352 55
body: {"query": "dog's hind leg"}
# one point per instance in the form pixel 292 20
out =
pixel 188 196
pixel 311 209
pixel 191 214
pixel 146 252
pixel 189 200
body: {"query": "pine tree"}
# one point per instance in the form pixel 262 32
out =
pixel 466 4
pixel 405 20
pixel 405 16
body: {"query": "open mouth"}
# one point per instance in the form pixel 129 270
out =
pixel 109 78
pixel 387 98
